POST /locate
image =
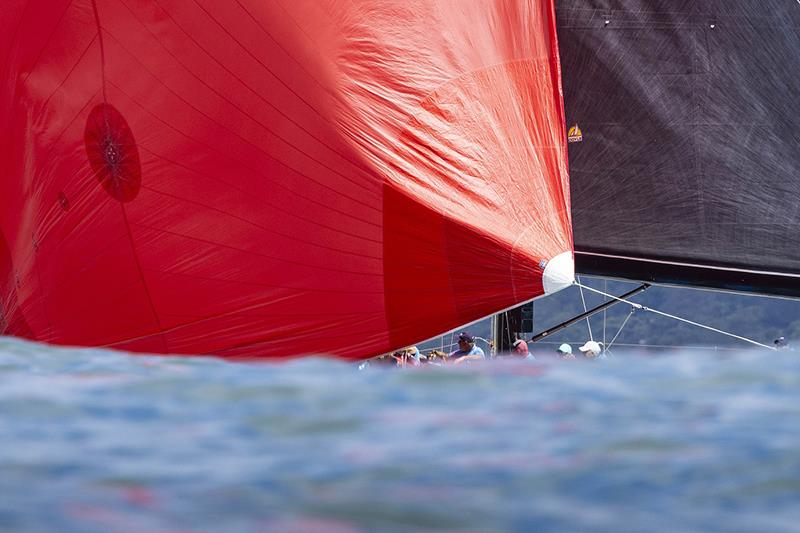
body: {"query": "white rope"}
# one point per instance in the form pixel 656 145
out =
pixel 680 319
pixel 488 345
pixel 583 300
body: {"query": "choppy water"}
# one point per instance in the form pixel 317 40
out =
pixel 101 441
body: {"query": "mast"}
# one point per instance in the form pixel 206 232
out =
pixel 511 325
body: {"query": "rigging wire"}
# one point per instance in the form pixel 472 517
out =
pixel 674 317
pixel 605 289
pixel 583 300
pixel 608 346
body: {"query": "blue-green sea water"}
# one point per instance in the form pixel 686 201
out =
pixel 99 441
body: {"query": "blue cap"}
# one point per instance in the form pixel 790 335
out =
pixel 466 337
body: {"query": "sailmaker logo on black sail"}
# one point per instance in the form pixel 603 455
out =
pixel 574 135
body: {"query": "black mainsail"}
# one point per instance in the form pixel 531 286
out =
pixel 684 120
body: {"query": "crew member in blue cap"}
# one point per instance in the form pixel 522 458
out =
pixel 467 351
pixel 565 351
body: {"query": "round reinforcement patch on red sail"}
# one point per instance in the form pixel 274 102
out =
pixel 112 152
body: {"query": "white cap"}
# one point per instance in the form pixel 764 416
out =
pixel 591 346
pixel 559 273
pixel 565 348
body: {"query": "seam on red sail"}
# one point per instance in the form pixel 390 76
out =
pixel 276 207
pixel 262 227
pixel 14 39
pixel 69 74
pixel 256 284
pixel 250 252
pixel 270 180
pixel 47 41
pixel 356 164
pixel 244 113
pixel 224 314
pixel 54 143
pixel 142 278
pixel 85 265
pixel 40 298
pixel 285 51
pixel 244 140
pixel 102 49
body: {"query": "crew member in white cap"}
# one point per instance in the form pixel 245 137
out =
pixel 592 350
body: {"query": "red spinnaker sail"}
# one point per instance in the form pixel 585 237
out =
pixel 276 178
